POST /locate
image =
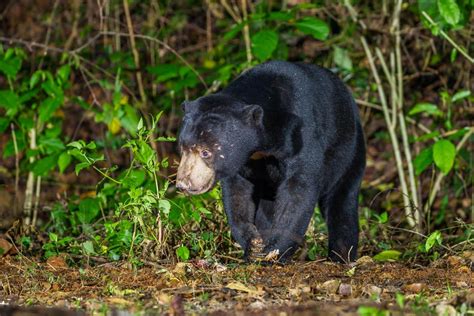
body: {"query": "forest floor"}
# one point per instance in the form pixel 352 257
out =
pixel 444 286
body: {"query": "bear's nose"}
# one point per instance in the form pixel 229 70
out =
pixel 181 185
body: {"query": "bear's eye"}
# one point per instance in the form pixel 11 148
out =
pixel 205 154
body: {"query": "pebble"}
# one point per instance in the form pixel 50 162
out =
pixel 345 289
pixel 365 260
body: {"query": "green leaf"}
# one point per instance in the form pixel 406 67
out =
pixel 444 153
pixel 52 144
pixel 164 206
pixel 342 59
pixel 64 72
pixel 88 248
pixel 4 124
pixel 183 253
pixel 427 108
pixel 460 95
pixel 264 43
pixel 423 160
pixel 10 67
pixel 314 27
pixel 435 237
pixel 164 72
pixel 81 166
pixel 63 161
pixel 449 10
pixel 35 78
pixel 9 100
pixel 47 108
pixel 89 208
pixel 42 166
pixel 388 255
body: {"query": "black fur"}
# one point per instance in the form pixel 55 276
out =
pixel 306 123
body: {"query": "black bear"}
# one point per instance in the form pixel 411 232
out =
pixel 281 138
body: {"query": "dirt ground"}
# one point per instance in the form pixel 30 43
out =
pixel 203 287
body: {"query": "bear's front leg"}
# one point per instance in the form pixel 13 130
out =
pixel 294 207
pixel 239 205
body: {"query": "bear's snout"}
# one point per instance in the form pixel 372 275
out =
pixel 194 175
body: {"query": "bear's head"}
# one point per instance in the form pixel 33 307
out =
pixel 217 136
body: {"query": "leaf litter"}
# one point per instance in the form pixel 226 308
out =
pixel 204 287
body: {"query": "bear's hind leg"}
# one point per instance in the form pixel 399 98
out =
pixel 340 209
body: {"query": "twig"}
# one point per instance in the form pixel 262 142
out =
pixel 37 199
pixel 448 38
pixel 17 167
pixel 391 130
pixel 246 32
pixel 136 57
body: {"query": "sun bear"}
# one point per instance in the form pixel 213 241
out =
pixel 282 138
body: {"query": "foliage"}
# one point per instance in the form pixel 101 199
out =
pixel 77 112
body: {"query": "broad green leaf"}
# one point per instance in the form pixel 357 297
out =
pixel 81 166
pixel 423 160
pixel 42 166
pixel 164 206
pixel 36 77
pixel 4 124
pixel 52 144
pixel 435 237
pixel 77 144
pixel 449 10
pixel 342 59
pixel 460 95
pixel 63 161
pixel 134 179
pixel 427 108
pixel 314 27
pixel 88 248
pixel 444 153
pixel 9 100
pixel 388 255
pixel 10 67
pixel 89 208
pixel 183 253
pixel 264 43
pixel 279 16
pixel 64 72
pixel 47 108
pixel 164 72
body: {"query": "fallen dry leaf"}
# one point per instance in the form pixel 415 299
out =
pixel 330 286
pixel 5 247
pixel 415 287
pixel 244 288
pixel 56 262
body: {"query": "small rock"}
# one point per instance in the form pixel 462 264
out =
pixel 445 310
pixel 330 287
pixel 56 262
pixel 454 261
pixel 372 290
pixel 257 305
pixel 415 287
pixel 365 260
pixel 461 284
pixel 5 247
pixel 345 289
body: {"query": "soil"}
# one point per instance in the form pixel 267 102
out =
pixel 205 287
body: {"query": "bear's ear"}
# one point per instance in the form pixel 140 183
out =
pixel 254 114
